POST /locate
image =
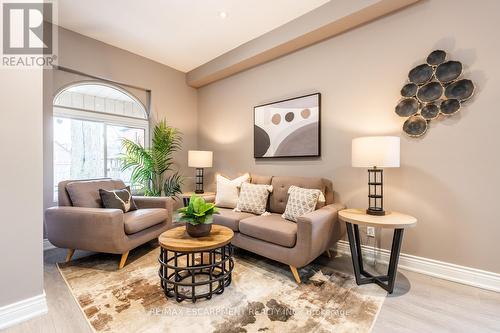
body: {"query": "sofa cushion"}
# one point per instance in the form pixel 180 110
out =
pixel 300 202
pixel 228 190
pixel 253 198
pixel 229 218
pixel 262 180
pixel 141 219
pixel 271 228
pixel 279 197
pixel 86 193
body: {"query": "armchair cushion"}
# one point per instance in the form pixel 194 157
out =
pixel 86 193
pixel 271 228
pixel 141 219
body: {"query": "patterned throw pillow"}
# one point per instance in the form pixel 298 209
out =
pixel 253 198
pixel 300 202
pixel 118 199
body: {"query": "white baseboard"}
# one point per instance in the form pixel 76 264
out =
pixel 18 312
pixel 443 270
pixel 47 245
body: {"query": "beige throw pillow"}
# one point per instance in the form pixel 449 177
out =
pixel 300 202
pixel 253 198
pixel 228 190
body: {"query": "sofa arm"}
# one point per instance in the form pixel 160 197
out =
pixel 154 202
pixel 157 202
pixel 92 229
pixel 317 230
pixel 323 214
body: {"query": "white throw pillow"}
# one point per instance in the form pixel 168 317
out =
pixel 300 202
pixel 228 190
pixel 253 198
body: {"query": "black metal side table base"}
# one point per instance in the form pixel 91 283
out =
pixel 362 276
pixel 181 272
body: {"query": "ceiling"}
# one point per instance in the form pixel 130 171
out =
pixel 182 34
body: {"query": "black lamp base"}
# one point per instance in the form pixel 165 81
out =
pixel 199 181
pixel 376 212
pixel 375 192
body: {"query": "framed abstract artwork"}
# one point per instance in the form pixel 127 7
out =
pixel 288 128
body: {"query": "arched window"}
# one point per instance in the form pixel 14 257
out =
pixel 90 118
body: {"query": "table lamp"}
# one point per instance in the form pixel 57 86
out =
pixel 375 152
pixel 199 159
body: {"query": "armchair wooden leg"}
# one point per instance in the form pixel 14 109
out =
pixel 328 254
pixel 295 274
pixel 70 254
pixel 123 260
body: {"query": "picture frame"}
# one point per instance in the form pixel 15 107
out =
pixel 288 128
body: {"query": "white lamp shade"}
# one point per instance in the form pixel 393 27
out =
pixel 200 159
pixel 375 151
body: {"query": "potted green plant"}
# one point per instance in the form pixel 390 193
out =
pixel 153 168
pixel 198 216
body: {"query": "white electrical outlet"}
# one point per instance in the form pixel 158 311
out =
pixel 370 231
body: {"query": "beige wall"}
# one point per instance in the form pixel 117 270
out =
pixel 170 96
pixel 448 179
pixel 21 185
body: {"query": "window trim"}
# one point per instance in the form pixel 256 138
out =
pixel 101 83
pixel 107 119
pixel 81 114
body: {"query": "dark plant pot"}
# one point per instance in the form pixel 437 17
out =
pixel 199 230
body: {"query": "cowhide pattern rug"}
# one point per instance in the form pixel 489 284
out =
pixel 262 297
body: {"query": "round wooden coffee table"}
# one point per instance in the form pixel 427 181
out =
pixel 195 268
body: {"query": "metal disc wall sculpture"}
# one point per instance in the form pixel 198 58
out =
pixel 433 90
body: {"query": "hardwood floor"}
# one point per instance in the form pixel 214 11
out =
pixel 419 304
pixel 64 314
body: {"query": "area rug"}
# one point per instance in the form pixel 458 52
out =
pixel 262 297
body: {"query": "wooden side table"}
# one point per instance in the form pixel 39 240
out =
pixel 392 220
pixel 208 196
pixel 184 260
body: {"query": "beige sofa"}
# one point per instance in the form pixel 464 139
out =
pixel 294 244
pixel 86 225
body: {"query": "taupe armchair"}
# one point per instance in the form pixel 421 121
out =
pixel 80 222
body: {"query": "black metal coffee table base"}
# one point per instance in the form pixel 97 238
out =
pixel 195 275
pixel 362 276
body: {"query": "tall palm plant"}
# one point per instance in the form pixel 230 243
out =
pixel 151 165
